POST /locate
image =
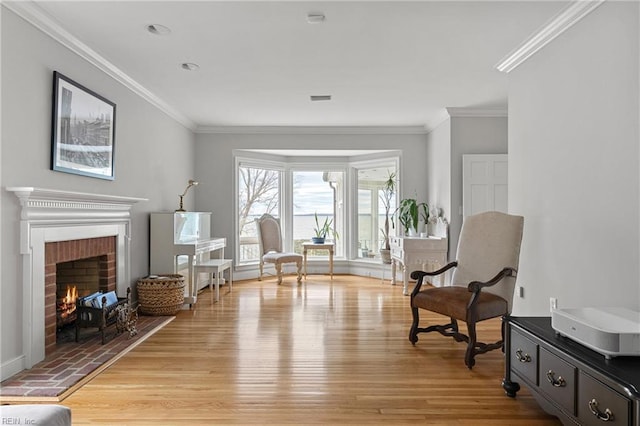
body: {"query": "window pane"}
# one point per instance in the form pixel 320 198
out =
pixel 365 222
pixel 372 209
pixel 317 192
pixel 258 193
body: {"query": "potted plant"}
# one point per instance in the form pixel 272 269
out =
pixel 409 214
pixel 322 230
pixel 386 198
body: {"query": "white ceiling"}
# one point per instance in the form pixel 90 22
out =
pixel 384 63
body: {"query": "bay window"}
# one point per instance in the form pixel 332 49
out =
pixel 296 189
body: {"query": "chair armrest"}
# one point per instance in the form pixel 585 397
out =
pixel 419 275
pixel 476 286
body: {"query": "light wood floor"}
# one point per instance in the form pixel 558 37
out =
pixel 324 352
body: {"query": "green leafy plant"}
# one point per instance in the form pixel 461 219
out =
pixel 324 229
pixel 409 212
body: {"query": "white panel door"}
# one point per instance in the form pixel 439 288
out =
pixel 484 183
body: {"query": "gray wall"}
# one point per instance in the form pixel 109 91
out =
pixel 153 154
pixel 215 166
pixel 439 168
pixel 573 164
pixel 447 143
pixel 471 135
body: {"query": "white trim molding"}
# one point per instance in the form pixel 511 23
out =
pixel 53 215
pixel 314 130
pixel 476 112
pixel 37 17
pixel 552 29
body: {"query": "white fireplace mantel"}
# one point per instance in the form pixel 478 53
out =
pixel 50 215
pixel 43 204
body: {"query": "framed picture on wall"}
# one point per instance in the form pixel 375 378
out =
pixel 83 134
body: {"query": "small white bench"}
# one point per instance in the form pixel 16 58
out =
pixel 214 267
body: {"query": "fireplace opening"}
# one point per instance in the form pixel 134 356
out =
pixel 76 278
pixel 74 268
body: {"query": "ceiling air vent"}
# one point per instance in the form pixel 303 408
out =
pixel 315 18
pixel 158 29
pixel 189 66
pixel 315 98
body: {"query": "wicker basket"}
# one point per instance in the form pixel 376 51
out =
pixel 162 295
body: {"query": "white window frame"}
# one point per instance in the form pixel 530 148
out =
pixel 388 162
pixel 286 165
pixel 265 164
pixel 315 166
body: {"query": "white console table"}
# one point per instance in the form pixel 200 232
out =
pixel 416 253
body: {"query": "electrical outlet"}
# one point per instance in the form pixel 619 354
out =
pixel 553 303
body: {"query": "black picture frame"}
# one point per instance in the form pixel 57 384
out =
pixel 83 130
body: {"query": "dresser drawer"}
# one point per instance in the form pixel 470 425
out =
pixel 557 378
pixel 597 403
pixel 524 356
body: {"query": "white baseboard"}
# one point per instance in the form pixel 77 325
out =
pixel 11 367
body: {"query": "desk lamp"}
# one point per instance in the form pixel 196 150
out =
pixel 191 183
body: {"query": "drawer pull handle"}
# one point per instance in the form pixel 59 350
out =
pixel 607 416
pixel 559 382
pixel 522 357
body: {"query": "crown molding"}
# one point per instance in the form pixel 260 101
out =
pixel 552 29
pixel 33 14
pixel 476 112
pixel 435 121
pixel 314 130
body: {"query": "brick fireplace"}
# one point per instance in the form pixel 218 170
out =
pixel 63 224
pixel 77 262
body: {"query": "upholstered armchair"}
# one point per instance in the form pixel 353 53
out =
pixel 482 285
pixel 270 239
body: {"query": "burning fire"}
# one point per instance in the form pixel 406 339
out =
pixel 67 305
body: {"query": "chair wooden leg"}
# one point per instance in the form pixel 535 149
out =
pixel 413 333
pixel 469 357
pixel 261 268
pixel 502 332
pixel 299 264
pixel 454 325
pixel 279 272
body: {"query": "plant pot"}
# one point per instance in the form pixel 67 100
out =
pixel 385 255
pixel 317 240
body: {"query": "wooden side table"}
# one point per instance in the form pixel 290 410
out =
pixel 314 246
